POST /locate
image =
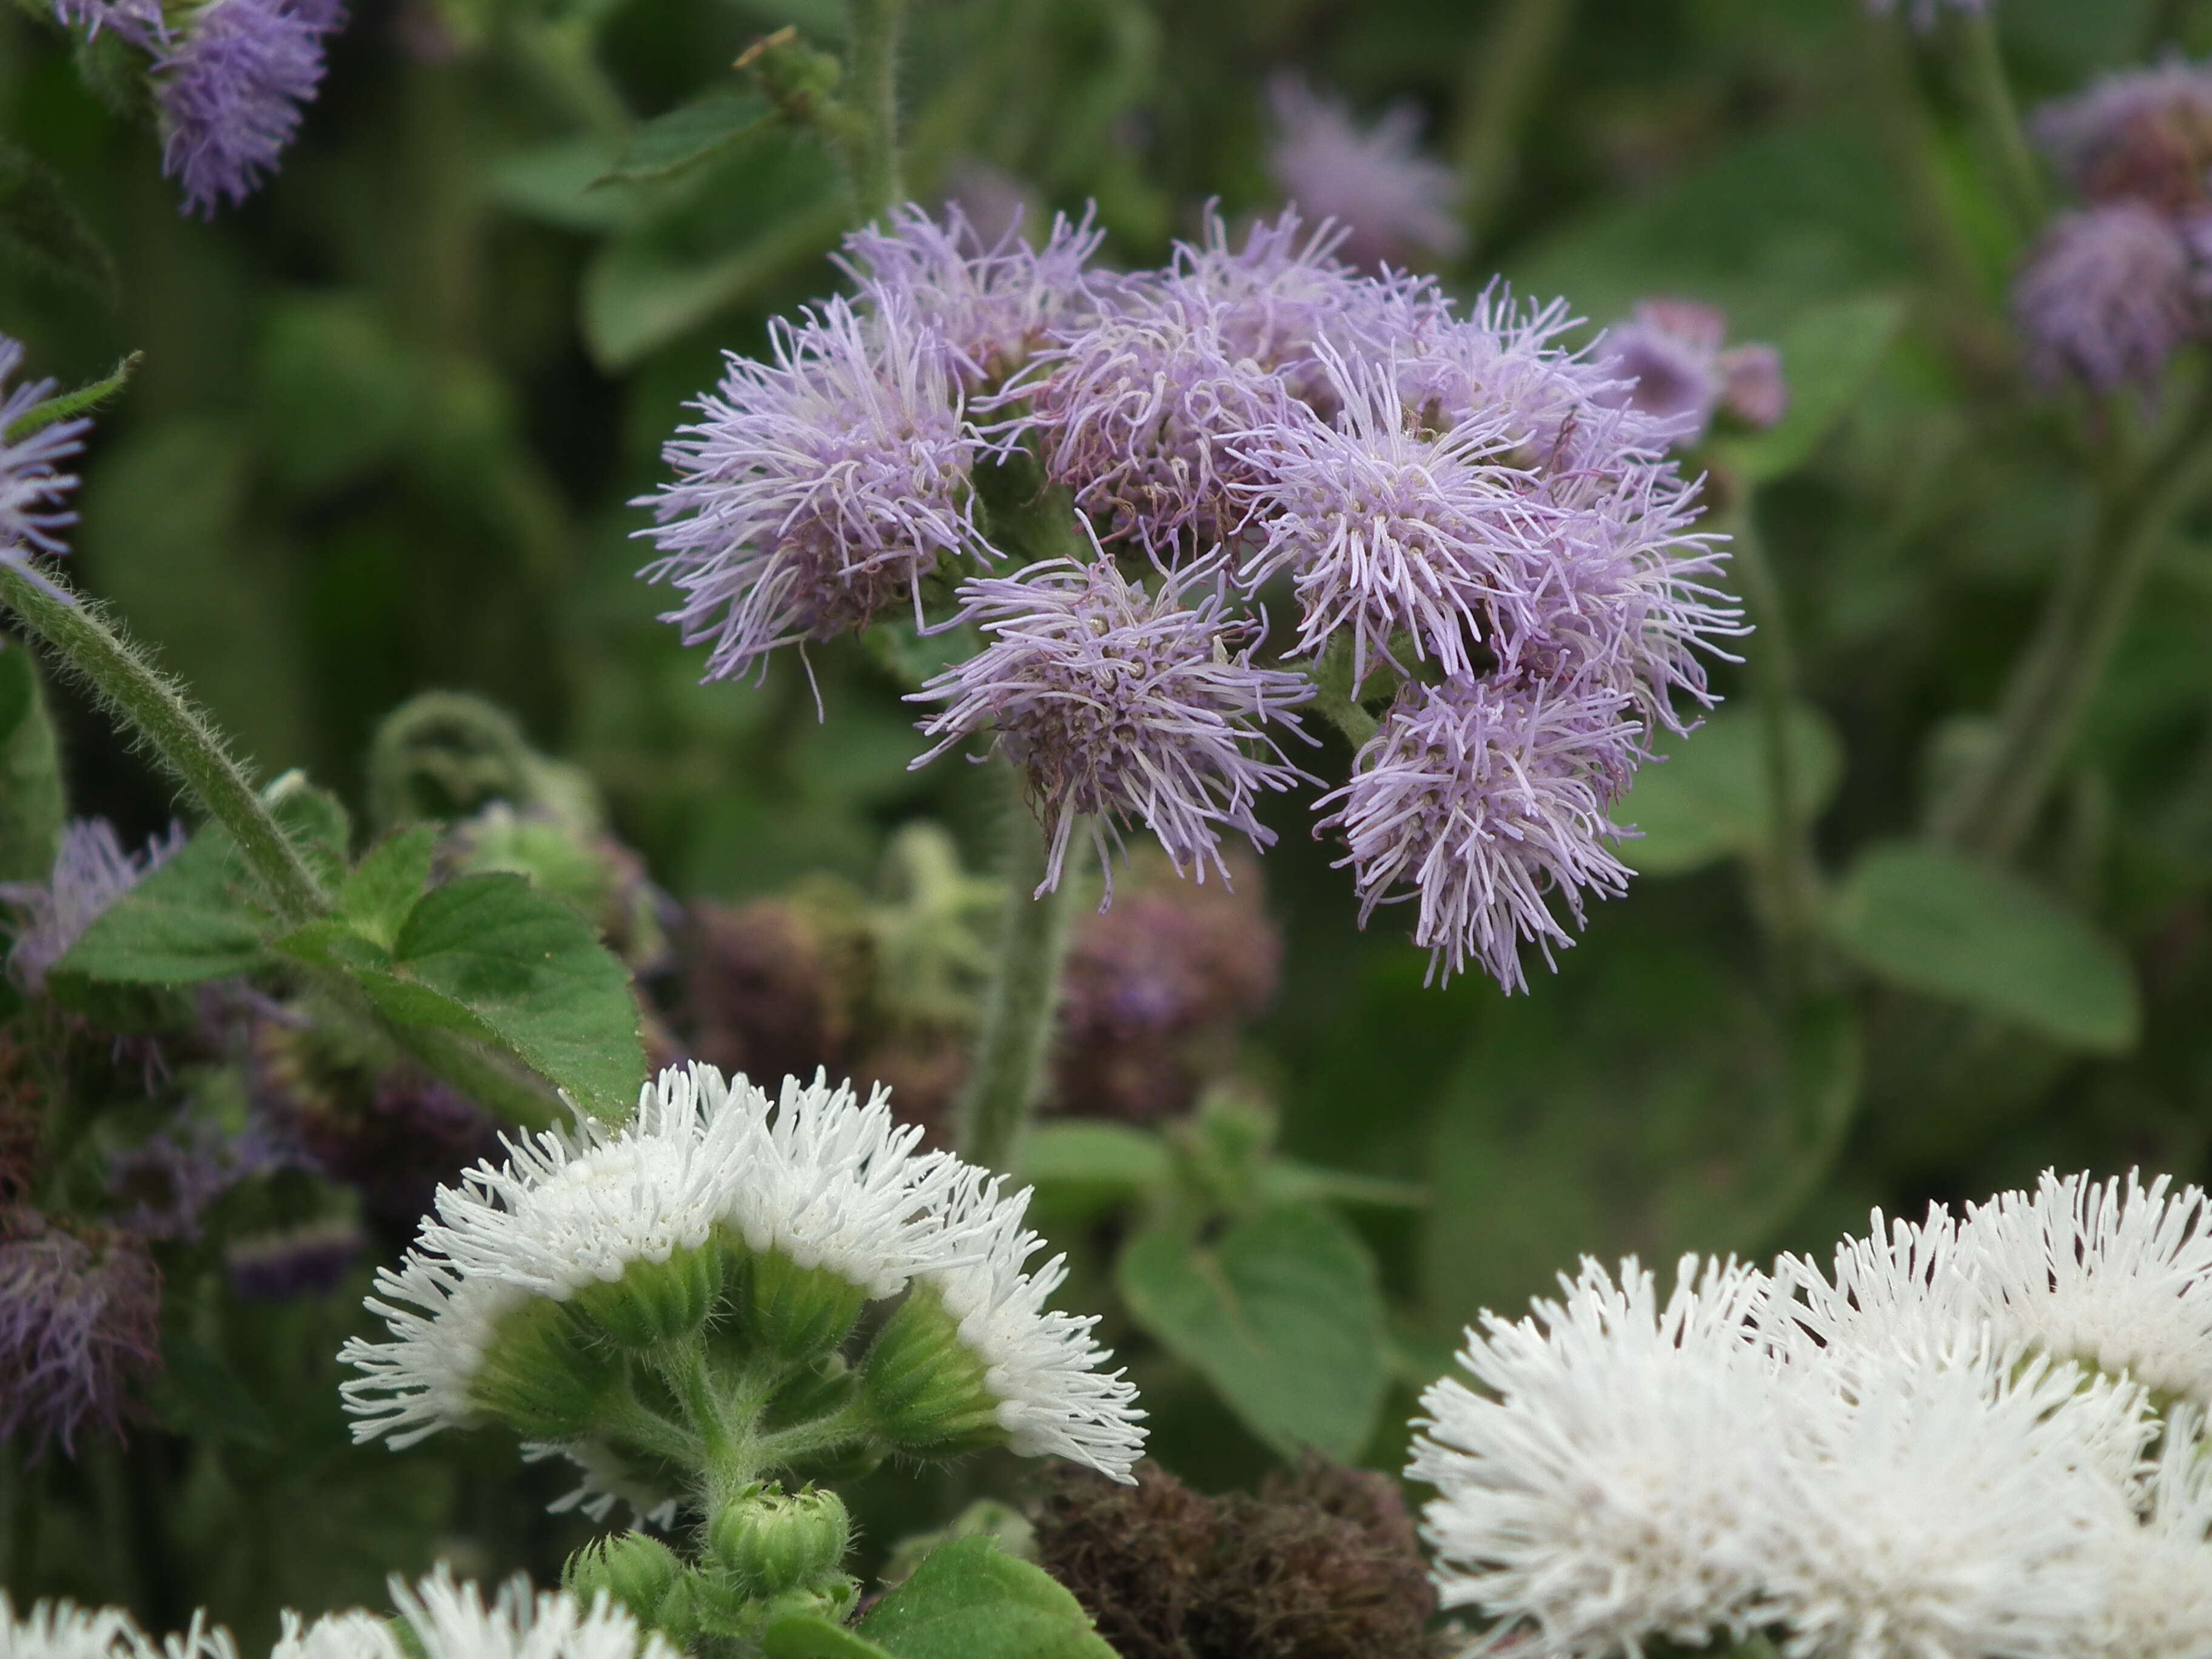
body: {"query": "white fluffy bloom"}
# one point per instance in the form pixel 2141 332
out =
pixel 354 1634
pixel 608 1478
pixel 833 1183
pixel 1041 1364
pixel 62 1630
pixel 1598 1488
pixel 2157 1576
pixel 452 1621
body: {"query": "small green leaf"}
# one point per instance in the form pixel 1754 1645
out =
pixel 552 184
pixel 691 134
pixel 1707 798
pixel 970 1600
pixel 377 897
pixel 41 230
pixel 810 1636
pixel 66 405
pixel 1828 354
pixel 1931 922
pixel 1080 1153
pixel 31 803
pixel 493 958
pixel 1282 1313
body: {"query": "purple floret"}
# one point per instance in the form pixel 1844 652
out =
pixel 80 1323
pixel 1394 202
pixel 818 488
pixel 2107 297
pixel 1480 800
pixel 32 484
pixel 92 871
pixel 139 22
pixel 230 92
pixel 1122 703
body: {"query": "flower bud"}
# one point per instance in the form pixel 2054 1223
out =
pixel 635 1568
pixel 926 1385
pixel 543 1374
pixel 656 1302
pixel 796 1312
pixel 770 1541
pixel 822 1388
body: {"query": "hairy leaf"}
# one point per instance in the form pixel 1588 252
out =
pixel 970 1600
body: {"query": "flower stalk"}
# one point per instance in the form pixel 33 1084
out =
pixel 1988 94
pixel 1506 74
pixel 155 709
pixel 871 148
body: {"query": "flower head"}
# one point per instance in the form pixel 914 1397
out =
pixel 1122 704
pixel 1669 363
pixel 1393 202
pixel 454 1621
pixel 139 22
pixel 2107 297
pixel 230 89
pixel 63 1629
pixel 32 484
pixel 91 871
pixel 80 1317
pixel 1487 799
pixel 2139 134
pixel 818 488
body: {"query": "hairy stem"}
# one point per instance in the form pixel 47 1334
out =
pixel 1989 98
pixel 1004 1084
pixel 873 149
pixel 1995 804
pixel 1506 74
pixel 155 707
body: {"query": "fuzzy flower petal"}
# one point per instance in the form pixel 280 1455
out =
pixel 63 1629
pixel 32 484
pixel 1393 202
pixel 454 1621
pixel 2107 297
pixel 231 88
pixel 818 488
pixel 1122 704
pixel 90 874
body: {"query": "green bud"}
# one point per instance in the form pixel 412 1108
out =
pixel 770 1540
pixel 656 1302
pixel 544 1374
pixel 636 1569
pixel 798 1313
pixel 926 1385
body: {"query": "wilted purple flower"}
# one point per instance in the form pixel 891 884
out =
pixel 1482 799
pixel 1120 703
pixel 819 489
pixel 1923 12
pixel 312 1259
pixel 90 874
pixel 32 486
pixel 990 304
pixel 80 1323
pixel 2107 297
pixel 1384 524
pixel 2141 135
pixel 230 91
pixel 1668 361
pixel 1393 202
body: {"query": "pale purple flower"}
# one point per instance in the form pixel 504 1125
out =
pixel 1384 524
pixel 1122 703
pixel 230 89
pixel 2107 297
pixel 818 488
pixel 1483 801
pixel 32 484
pixel 139 22
pixel 990 303
pixel 91 871
pixel 80 1322
pixel 1394 202
pixel 1668 363
pixel 2139 134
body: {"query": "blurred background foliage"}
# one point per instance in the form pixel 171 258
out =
pixel 392 415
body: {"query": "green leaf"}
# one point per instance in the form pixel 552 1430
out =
pixel 552 184
pixel 1931 922
pixel 493 958
pixel 1707 799
pixel 690 134
pixel 1828 354
pixel 1286 1180
pixel 810 1636
pixel 66 405
pixel 31 803
pixel 41 230
pixel 970 1600
pixel 1118 1158
pixel 377 897
pixel 637 299
pixel 1281 1313
pixel 199 1396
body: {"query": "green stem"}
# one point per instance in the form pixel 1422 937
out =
pixel 1989 98
pixel 1506 74
pixel 1025 996
pixel 155 709
pixel 1996 803
pixel 849 1423
pixel 873 151
pixel 1791 876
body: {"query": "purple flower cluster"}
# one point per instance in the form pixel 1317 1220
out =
pixel 1468 517
pixel 92 871
pixel 228 82
pixel 33 486
pixel 80 1323
pixel 1394 204
pixel 2113 291
pixel 1669 359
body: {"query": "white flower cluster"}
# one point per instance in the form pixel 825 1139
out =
pixel 443 1620
pixel 1973 1438
pixel 831 1182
